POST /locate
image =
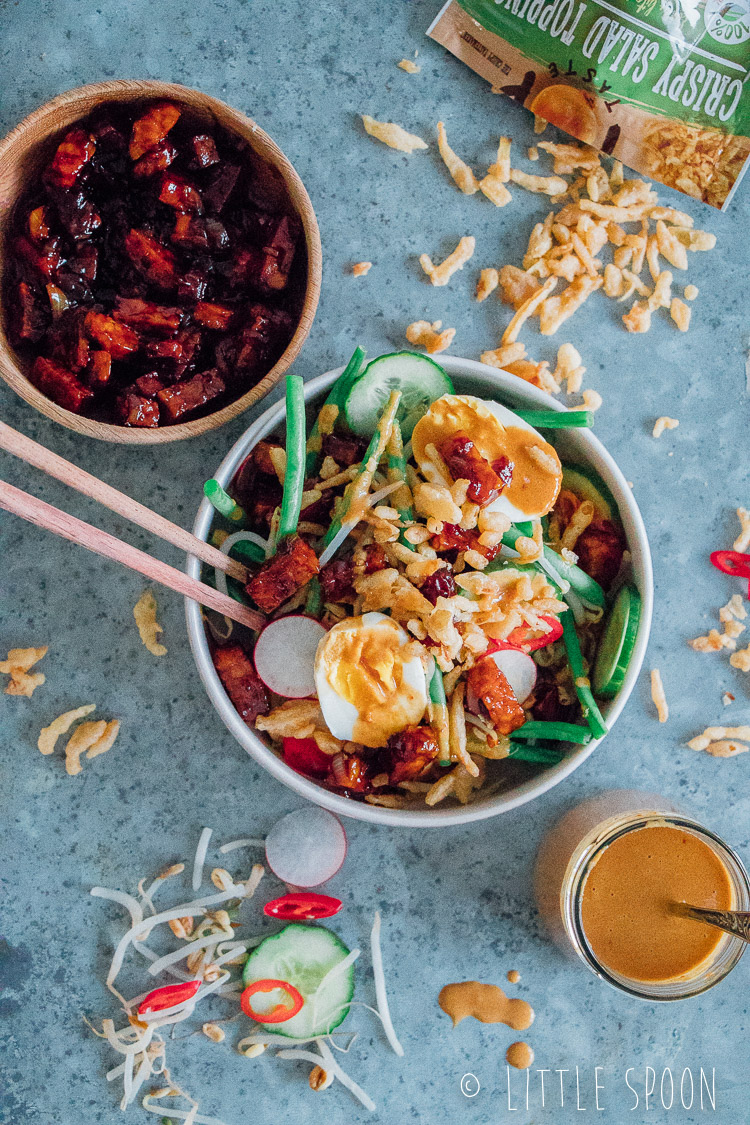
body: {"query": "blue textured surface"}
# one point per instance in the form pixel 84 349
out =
pixel 456 904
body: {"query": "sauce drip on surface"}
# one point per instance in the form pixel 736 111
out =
pixel 520 1055
pixel 486 1003
pixel 626 906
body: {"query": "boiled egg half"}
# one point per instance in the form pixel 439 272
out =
pixel 496 432
pixel 370 679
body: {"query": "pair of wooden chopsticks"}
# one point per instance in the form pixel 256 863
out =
pixel 68 527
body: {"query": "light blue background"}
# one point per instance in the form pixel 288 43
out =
pixel 456 904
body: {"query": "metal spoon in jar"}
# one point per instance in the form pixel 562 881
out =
pixel 735 922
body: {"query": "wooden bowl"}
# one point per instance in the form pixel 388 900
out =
pixel 26 149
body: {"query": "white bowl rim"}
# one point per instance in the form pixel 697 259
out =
pixel 439 817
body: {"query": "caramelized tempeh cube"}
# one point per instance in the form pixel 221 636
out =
pixel 151 258
pixel 241 682
pixel 183 398
pixel 204 149
pixel 72 155
pixel 411 751
pixel 492 689
pixel 466 463
pixel 147 315
pixel 179 193
pixel 213 316
pixel 117 339
pixel 152 128
pixel 291 568
pixel 137 410
pixel 155 160
pixel 61 385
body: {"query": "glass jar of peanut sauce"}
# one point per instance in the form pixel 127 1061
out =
pixel 606 878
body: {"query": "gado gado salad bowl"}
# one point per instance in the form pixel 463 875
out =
pixel 455 585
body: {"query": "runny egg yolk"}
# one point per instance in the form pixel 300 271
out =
pixel 370 679
pixel 496 432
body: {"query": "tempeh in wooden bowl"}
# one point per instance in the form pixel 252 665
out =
pixel 29 148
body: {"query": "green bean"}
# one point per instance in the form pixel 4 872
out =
pixel 223 502
pixel 397 472
pixel 543 755
pixel 556 732
pixel 557 419
pixel 247 552
pixel 567 575
pixel 439 712
pixel 314 602
pixel 336 397
pixel 294 477
pixel 591 712
pixel 374 451
pixel 235 589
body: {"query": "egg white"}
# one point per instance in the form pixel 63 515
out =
pixel 340 714
pixel 506 418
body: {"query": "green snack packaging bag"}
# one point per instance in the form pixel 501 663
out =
pixel 658 84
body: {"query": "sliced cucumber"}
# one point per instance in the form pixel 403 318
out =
pixel 303 956
pixel 587 484
pixel 617 643
pixel 419 379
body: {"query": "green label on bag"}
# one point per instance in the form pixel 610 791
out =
pixel 688 60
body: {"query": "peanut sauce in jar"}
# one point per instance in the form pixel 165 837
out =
pixel 609 878
pixel 628 897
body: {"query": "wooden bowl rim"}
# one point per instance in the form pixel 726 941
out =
pixel 116 90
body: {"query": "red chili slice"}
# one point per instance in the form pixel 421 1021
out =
pixel 282 1012
pixel 523 637
pixel 734 563
pixel 168 996
pixel 303 905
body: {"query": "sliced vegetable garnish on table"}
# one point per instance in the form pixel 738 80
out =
pixel 434 607
pixel 318 976
pixel 303 905
pixel 286 1009
pixel 295 986
pixel 735 563
pixel 307 847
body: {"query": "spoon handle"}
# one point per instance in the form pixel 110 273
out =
pixel 736 922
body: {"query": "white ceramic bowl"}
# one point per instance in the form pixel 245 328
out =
pixel 578 445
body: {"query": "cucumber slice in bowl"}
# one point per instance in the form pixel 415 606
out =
pixel 617 643
pixel 305 956
pixel 587 484
pixel 420 380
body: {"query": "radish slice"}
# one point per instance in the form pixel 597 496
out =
pixel 306 847
pixel 285 655
pixel 519 670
